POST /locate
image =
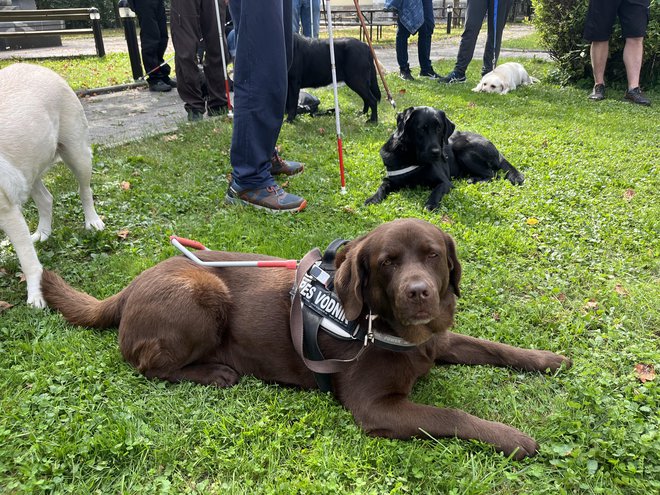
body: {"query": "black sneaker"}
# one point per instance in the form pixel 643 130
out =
pixel 453 77
pixel 431 74
pixel 159 86
pixel 271 198
pixel 194 115
pixel 171 81
pixel 406 75
pixel 635 95
pixel 598 93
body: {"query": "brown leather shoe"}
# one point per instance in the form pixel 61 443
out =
pixel 598 93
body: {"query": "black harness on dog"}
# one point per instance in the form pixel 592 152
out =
pixel 322 310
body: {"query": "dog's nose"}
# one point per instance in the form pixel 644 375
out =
pixel 418 291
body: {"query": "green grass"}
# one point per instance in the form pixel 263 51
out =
pixel 529 42
pixel 566 262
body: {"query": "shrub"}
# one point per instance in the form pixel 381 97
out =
pixel 560 24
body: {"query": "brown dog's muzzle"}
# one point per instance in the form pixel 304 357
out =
pixel 416 299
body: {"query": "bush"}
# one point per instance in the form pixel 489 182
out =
pixel 560 24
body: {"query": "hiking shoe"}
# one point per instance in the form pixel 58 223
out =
pixel 159 86
pixel 280 166
pixel 453 77
pixel 431 74
pixel 194 115
pixel 271 198
pixel 598 92
pixel 217 111
pixel 406 75
pixel 635 95
pixel 171 81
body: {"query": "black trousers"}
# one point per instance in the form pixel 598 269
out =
pixel 153 37
pixel 190 22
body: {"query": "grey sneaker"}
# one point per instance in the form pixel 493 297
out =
pixel 635 95
pixel 598 92
pixel 273 199
pixel 453 77
pixel 406 75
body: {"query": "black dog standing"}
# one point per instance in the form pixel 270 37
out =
pixel 425 150
pixel 311 69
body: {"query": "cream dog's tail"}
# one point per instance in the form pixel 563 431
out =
pixel 79 308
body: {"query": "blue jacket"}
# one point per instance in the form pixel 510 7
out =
pixel 411 13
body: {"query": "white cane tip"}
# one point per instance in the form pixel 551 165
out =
pixel 393 103
pixel 343 190
pixel 230 114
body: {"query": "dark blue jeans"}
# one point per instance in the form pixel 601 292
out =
pixel 423 40
pixel 263 54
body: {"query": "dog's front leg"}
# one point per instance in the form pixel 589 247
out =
pixel 437 194
pixel 44 201
pixel 385 188
pixel 463 349
pixel 397 417
pixel 13 223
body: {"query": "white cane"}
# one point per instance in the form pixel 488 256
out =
pixel 221 36
pixel 334 87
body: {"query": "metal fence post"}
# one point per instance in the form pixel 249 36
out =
pixel 130 33
pixel 96 27
pixel 450 10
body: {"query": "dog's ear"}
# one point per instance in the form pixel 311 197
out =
pixel 351 277
pixel 401 121
pixel 454 266
pixel 447 125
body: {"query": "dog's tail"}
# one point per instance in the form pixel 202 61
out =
pixel 77 307
pixel 373 80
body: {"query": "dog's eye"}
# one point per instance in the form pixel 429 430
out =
pixel 433 255
pixel 387 262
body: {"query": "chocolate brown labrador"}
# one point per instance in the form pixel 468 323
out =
pixel 181 321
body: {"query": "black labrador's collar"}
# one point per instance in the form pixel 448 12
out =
pixel 322 310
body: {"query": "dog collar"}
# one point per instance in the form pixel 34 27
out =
pixel 402 171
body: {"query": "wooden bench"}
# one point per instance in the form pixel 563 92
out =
pixel 82 14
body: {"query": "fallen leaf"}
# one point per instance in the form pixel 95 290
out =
pixel 321 131
pixel 496 316
pixel 285 183
pixel 472 104
pixel 544 144
pixel 125 185
pixel 446 219
pixel 402 91
pixel 621 290
pixel 628 194
pixel 21 277
pixel 532 221
pixel 561 297
pixel 348 209
pixel 170 137
pixel 5 305
pixel 645 372
pixel 593 305
pixel 123 233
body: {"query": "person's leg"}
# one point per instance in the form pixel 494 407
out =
pixel 295 15
pixel 149 36
pixel 424 39
pixel 491 55
pixel 316 9
pixel 184 24
pixel 402 36
pixel 474 18
pixel 599 52
pixel 213 67
pixel 306 18
pixel 161 19
pixel 598 26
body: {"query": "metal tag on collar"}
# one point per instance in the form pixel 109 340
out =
pixel 369 336
pixel 319 274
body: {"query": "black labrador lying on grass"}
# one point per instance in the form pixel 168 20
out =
pixel 311 69
pixel 426 151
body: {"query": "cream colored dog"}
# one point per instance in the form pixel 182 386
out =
pixel 40 119
pixel 504 78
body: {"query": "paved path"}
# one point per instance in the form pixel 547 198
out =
pixel 136 113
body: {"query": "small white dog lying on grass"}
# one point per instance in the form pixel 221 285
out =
pixel 504 78
pixel 41 118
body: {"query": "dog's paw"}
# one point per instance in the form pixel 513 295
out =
pixel 373 200
pixel 40 235
pixel 94 223
pixel 516 179
pixel 515 443
pixel 431 207
pixel 37 300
